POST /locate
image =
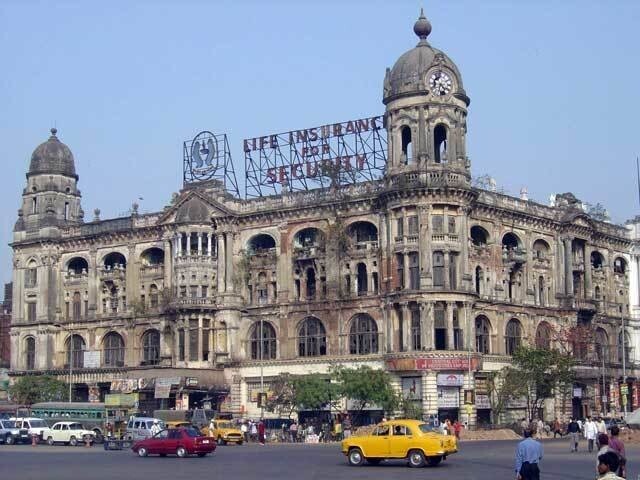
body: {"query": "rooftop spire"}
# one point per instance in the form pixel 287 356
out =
pixel 422 27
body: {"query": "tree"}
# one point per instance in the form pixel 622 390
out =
pixel 34 389
pixel 503 386
pixel 366 387
pixel 538 373
pixel 282 399
pixel 315 391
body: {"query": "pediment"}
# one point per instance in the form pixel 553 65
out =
pixel 193 207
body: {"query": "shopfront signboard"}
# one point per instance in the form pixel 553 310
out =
pixel 448 397
pixel 450 379
pixel 433 364
pixel 482 401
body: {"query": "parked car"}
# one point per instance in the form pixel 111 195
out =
pixel 179 441
pixel 70 433
pixel 9 434
pixel 139 428
pixel 224 431
pixel 411 439
pixel 610 422
pixel 30 426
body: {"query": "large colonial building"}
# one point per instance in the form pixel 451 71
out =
pixel 417 272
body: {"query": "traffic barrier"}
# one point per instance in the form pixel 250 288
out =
pixel 116 444
pixel 34 440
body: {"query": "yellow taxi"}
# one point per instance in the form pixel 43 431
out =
pixel 411 439
pixel 224 431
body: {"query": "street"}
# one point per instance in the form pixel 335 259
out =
pixel 476 460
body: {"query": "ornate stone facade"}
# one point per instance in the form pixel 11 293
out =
pixel 420 272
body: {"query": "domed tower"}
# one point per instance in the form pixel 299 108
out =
pixel 426 110
pixel 51 198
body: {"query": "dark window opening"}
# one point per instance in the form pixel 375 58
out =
pixel 311 284
pixel 414 271
pixel 362 279
pixel 363 335
pixel 479 277
pixel 440 328
pixel 263 341
pixel 416 330
pixel 440 144
pixel 479 236
pixel 438 269
pixel 312 338
pixel 400 270
pixel 483 335
pixel 407 154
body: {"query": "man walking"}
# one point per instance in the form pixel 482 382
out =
pixel 573 430
pixel 590 433
pixel 528 456
pixel 557 428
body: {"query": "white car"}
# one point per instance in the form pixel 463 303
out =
pixel 71 433
pixel 30 426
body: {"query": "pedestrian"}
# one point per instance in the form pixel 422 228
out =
pixel 346 426
pixel 448 426
pixel 524 424
pixel 617 446
pixel 528 456
pixel 245 431
pixel 293 432
pixel 590 433
pixel 261 432
pixel 253 431
pixel 557 428
pixel 573 430
pixel 457 427
pixel 603 441
pixel 539 428
pixel 608 464
pixel 602 428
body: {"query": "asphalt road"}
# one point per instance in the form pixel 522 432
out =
pixel 476 460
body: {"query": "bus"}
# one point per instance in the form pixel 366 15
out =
pixel 90 415
pixel 9 410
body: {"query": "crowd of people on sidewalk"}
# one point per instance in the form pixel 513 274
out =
pixel 611 459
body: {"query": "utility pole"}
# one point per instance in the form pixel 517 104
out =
pixel 624 363
pixel 261 370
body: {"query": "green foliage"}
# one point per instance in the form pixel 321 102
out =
pixel 537 373
pixel 410 408
pixel 282 398
pixel 367 387
pixel 34 389
pixel 314 391
pixel 503 386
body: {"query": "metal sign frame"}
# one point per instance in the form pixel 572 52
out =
pixel 207 157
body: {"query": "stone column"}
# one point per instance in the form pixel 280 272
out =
pixel 450 342
pixel 221 264
pixel 168 267
pixel 200 338
pixel 199 243
pixel 176 245
pixel 568 272
pixel 92 284
pixel 209 244
pixel 229 261
pixel 447 267
pixel 588 281
pixel 426 326
pixel 188 243
pixel 469 326
pixel 463 235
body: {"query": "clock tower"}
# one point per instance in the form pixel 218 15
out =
pixel 426 110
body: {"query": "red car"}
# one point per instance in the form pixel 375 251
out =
pixel 181 441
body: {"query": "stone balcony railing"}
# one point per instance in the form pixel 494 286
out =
pixel 194 259
pixel 71 278
pixel 312 251
pixel 152 270
pixel 118 273
pixel 444 237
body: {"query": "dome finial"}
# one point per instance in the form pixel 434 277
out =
pixel 422 27
pixel 53 131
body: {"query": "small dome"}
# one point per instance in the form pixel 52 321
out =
pixel 193 211
pixel 52 156
pixel 408 75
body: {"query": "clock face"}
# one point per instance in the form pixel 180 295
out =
pixel 440 83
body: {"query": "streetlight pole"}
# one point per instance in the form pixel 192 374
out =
pixel 624 363
pixel 70 365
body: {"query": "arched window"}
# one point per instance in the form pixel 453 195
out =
pixel 602 345
pixel 115 261
pixel 261 243
pixel 153 295
pixel 113 350
pixel 543 335
pixel 262 341
pixel 31 275
pixel 361 233
pixel 152 257
pixel 440 143
pixel 479 236
pixel 30 353
pixel 363 335
pixel 151 347
pixel 407 154
pixel 438 269
pixel 77 306
pixel 513 336
pixel 540 250
pixel 362 279
pixel 596 292
pixel 619 266
pixel 312 338
pixel 75 351
pixel 510 241
pixel 77 266
pixel 483 335
pixel 596 260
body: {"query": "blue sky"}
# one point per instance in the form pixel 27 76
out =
pixel 553 87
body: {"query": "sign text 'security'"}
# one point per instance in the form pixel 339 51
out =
pixel 314 148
